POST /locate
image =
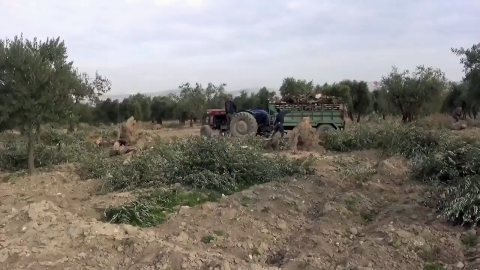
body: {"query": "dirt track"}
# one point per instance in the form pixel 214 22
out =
pixel 346 217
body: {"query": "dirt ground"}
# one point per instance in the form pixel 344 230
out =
pixel 360 211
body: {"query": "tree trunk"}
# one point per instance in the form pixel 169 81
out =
pixel 31 150
pixel 37 135
pixel 383 116
pixel 191 121
pixel 71 127
pixel 160 121
pixel 358 118
pixel 350 115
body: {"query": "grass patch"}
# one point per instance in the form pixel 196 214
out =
pixel 368 215
pixel 208 239
pixel 153 209
pixel 351 204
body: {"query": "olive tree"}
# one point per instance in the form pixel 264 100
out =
pixel 35 85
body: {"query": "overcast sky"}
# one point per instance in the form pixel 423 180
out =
pixel 155 45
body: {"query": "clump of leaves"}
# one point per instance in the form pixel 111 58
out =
pixel 456 172
pixel 153 209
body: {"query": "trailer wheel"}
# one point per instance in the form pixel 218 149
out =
pixel 243 124
pixel 325 128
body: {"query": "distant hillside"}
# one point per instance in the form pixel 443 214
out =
pixel 177 92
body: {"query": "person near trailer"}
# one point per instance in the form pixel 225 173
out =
pixel 261 116
pixel 279 120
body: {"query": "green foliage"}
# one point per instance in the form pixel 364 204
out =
pixel 211 167
pixel 470 59
pixel 14 153
pixel 394 139
pixel 294 87
pixel 39 85
pixel 153 209
pixel 416 93
pixel 217 164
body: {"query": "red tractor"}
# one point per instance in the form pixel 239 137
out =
pixel 217 120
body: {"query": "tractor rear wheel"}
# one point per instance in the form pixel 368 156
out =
pixel 325 128
pixel 243 124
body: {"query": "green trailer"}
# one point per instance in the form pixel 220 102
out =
pixel 323 116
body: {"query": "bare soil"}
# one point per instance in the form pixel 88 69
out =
pixel 360 211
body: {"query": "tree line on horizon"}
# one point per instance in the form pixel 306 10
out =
pixel 40 85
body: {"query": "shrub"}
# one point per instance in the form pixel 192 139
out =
pixel 13 154
pixel 455 173
pixel 392 139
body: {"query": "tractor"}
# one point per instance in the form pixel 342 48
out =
pixel 325 116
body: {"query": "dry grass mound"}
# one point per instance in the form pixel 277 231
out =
pixel 129 131
pixel 305 138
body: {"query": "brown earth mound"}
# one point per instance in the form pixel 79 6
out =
pixel 305 138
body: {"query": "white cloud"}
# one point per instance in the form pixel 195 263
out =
pixel 154 45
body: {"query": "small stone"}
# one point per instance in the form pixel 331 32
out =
pixel 120 249
pixel 353 231
pixel 184 224
pixel 460 265
pixel 129 229
pixel 182 237
pixel 282 224
pixel 472 232
pixel 414 217
pixel 226 265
